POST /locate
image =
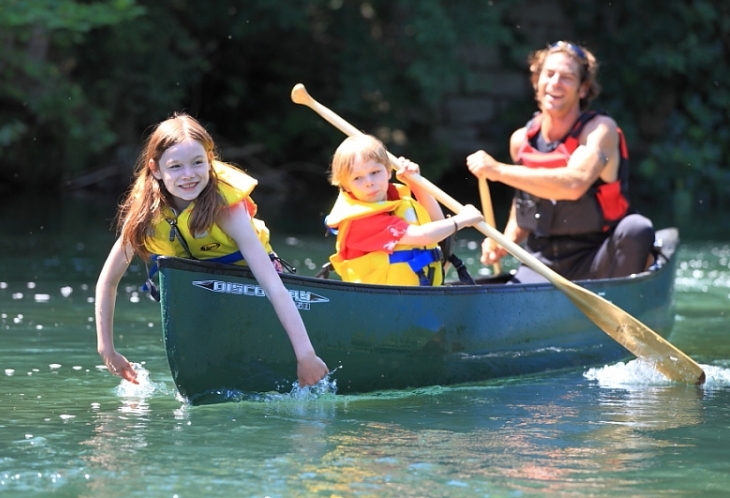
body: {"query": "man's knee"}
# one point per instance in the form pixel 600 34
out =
pixel 634 240
pixel 636 230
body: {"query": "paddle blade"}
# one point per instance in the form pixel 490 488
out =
pixel 639 339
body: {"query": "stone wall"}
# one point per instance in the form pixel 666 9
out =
pixel 495 82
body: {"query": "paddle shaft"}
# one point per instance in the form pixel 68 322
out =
pixel 301 96
pixel 488 212
pixel 636 337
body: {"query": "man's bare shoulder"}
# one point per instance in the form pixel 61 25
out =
pixel 518 138
pixel 601 120
pixel 600 125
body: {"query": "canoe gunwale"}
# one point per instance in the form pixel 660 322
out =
pixel 452 334
pixel 668 240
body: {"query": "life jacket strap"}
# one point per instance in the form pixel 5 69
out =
pixel 418 259
pixel 461 270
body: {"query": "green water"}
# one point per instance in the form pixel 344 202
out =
pixel 69 428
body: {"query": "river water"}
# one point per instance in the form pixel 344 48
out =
pixel 69 428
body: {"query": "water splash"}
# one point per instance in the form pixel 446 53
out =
pixel 631 373
pixel 716 377
pixel 321 388
pixel 638 373
pixel 144 388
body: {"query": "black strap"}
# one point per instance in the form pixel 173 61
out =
pixel 175 232
pixel 461 270
pixel 285 265
pixel 324 272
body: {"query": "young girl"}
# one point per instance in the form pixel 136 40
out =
pixel 384 235
pixel 184 202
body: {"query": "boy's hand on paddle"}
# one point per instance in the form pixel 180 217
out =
pixel 310 370
pixel 469 216
pixel 406 168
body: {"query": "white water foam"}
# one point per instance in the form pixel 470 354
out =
pixel 323 387
pixel 637 373
pixel 145 387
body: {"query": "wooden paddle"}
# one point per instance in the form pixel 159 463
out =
pixel 636 337
pixel 488 214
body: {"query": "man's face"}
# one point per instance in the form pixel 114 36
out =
pixel 558 86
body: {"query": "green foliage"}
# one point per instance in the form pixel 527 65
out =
pixel 64 14
pixel 81 81
pixel 383 65
pixel 667 67
pixel 111 69
pixel 47 119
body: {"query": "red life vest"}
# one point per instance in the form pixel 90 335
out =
pixel 600 208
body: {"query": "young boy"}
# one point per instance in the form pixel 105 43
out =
pixel 384 234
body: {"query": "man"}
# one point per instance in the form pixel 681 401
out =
pixel 571 178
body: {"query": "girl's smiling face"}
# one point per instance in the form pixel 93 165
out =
pixel 368 181
pixel 184 168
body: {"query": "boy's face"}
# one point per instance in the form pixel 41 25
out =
pixel 368 181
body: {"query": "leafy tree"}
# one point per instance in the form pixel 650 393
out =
pixel 81 80
pixel 384 65
pixel 47 118
pixel 667 67
pixel 110 69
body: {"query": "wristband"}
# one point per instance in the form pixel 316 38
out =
pixel 456 225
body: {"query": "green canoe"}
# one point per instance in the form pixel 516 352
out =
pixel 224 341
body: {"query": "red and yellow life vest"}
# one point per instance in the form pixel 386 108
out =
pixel 407 265
pixel 598 210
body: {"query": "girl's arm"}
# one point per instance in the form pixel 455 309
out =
pixel 235 221
pixel 106 294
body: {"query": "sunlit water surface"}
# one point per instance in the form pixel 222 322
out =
pixel 69 428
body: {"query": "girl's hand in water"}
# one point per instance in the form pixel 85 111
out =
pixel 120 366
pixel 311 370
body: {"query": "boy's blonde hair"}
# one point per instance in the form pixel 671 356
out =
pixel 363 147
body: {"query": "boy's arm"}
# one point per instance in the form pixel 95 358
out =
pixel 428 202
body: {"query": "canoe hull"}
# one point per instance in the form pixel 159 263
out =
pixel 223 339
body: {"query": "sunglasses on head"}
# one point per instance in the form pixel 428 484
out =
pixel 575 49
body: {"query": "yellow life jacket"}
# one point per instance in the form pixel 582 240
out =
pixel 407 265
pixel 235 186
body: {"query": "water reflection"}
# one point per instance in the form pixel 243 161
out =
pixel 69 428
pixel 703 303
pixel 521 438
pixel 118 438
